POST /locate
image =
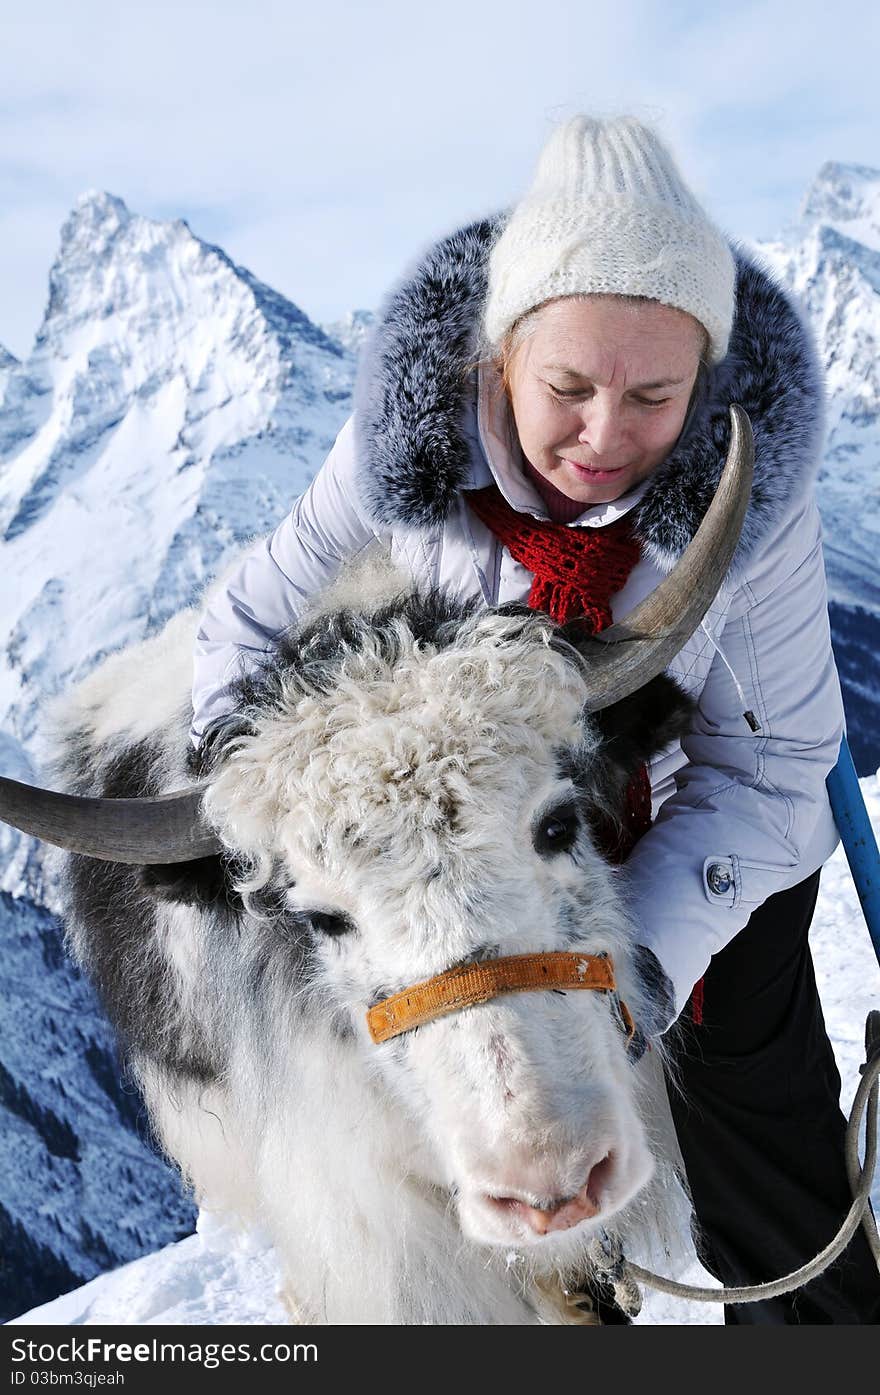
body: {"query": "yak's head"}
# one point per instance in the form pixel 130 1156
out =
pixel 421 788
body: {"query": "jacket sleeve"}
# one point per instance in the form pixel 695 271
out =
pixel 750 815
pixel 266 591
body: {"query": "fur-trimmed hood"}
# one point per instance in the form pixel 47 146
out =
pixel 414 457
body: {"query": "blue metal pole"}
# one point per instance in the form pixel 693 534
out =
pixel 857 837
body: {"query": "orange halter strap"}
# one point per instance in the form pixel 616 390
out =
pixel 469 984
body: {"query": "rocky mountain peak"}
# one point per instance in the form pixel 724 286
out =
pixel 173 405
pixel 96 216
pixel 121 276
pixel 847 196
pixel 351 331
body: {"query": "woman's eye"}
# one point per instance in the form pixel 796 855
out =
pixel 568 392
pixel 556 832
pixel 572 394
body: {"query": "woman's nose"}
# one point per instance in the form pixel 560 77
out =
pixel 601 427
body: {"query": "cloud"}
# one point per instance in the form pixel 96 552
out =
pixel 323 145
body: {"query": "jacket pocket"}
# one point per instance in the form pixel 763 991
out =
pixel 729 880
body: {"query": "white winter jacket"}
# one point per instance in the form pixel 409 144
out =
pixel 739 814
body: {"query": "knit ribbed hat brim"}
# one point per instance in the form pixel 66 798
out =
pixel 609 214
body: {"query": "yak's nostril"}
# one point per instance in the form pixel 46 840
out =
pixel 565 1214
pixel 598 1179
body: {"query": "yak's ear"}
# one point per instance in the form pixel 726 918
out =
pixel 634 730
pixel 639 726
pixel 205 881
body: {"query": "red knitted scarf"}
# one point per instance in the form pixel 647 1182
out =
pixel 575 573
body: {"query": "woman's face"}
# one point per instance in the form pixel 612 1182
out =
pixel 600 389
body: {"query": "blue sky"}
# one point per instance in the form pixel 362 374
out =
pixel 324 145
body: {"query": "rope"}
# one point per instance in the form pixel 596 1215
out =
pixel 860 1178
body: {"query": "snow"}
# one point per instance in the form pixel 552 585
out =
pixel 7 362
pixel 831 260
pixel 216 1276
pixel 848 196
pixel 222 1276
pixel 172 407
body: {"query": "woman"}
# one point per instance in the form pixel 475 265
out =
pixel 541 416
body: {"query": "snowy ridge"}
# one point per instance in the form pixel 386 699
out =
pixel 351 331
pixel 831 260
pixel 846 196
pixel 7 362
pixel 82 1187
pixel 172 407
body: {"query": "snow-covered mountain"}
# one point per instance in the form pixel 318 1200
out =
pixel 7 362
pixel 82 1188
pixel 351 331
pixel 171 408
pixel 831 260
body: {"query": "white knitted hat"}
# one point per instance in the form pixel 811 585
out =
pixel 610 213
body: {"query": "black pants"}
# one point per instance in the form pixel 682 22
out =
pixel 760 1127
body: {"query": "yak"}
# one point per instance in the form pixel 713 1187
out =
pixel 406 798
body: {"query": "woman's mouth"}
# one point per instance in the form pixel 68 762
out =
pixel 589 472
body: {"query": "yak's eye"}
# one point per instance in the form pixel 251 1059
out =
pixel 330 922
pixel 556 832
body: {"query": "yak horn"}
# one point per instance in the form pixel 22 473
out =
pixel 164 828
pixel 631 652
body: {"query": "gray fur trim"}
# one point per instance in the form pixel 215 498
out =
pixel 413 457
pixel 412 381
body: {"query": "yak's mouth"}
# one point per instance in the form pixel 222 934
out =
pixel 510 1217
